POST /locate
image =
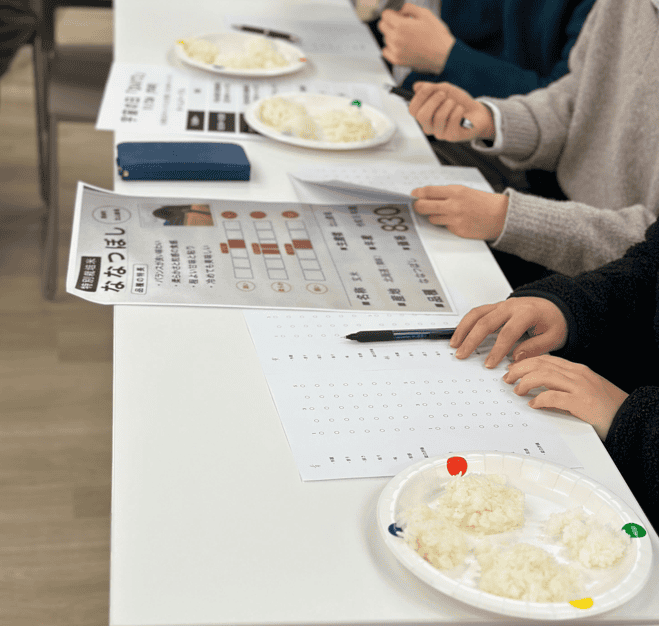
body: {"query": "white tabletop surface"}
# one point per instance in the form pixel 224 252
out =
pixel 211 523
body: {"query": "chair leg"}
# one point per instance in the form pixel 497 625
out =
pixel 40 65
pixel 51 246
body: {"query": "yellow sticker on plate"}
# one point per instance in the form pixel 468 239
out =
pixel 584 603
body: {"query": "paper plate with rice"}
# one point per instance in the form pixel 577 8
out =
pixel 319 121
pixel 515 535
pixel 240 54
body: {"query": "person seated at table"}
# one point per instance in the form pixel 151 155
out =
pixel 601 328
pixel 597 127
pixel 17 25
pixel 487 47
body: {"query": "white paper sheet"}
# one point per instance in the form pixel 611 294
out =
pixel 161 99
pixel 354 409
pixel 340 38
pixel 394 179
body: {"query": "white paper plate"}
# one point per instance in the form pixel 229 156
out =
pixel 317 104
pixel 548 488
pixel 233 43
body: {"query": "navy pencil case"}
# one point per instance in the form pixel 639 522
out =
pixel 166 160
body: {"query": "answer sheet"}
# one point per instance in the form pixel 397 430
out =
pixel 355 410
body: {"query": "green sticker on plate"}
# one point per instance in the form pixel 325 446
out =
pixel 634 530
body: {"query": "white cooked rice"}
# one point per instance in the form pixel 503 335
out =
pixel 437 540
pixel 200 50
pixel 346 125
pixel 587 540
pixel 482 503
pixel 257 53
pixel 288 117
pixel 526 572
pixel 335 125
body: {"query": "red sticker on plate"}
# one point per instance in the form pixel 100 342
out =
pixel 456 465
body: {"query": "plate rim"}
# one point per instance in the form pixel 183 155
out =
pixel 244 73
pixel 253 120
pixel 416 565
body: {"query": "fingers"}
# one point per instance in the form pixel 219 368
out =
pixel 543 371
pixel 555 379
pixel 431 200
pixel 388 20
pixel 552 400
pixel 423 92
pixel 559 377
pixel 427 99
pixel 511 329
pixel 540 344
pixel 474 327
pixel 438 112
pixel 572 387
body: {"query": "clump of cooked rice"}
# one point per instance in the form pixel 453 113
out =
pixel 482 503
pixel 200 50
pixel 346 125
pixel 336 125
pixel 587 540
pixel 288 117
pixel 437 540
pixel 257 53
pixel 526 572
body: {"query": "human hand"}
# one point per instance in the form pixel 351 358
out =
pixel 440 107
pixel 542 318
pixel 571 387
pixel 464 211
pixel 415 37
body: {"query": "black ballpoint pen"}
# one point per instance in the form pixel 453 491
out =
pixel 267 32
pixel 406 94
pixel 401 335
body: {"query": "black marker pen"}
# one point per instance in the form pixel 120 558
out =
pixel 401 335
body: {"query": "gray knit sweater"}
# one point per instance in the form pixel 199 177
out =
pixel 598 128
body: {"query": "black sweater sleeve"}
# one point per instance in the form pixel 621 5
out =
pixel 633 443
pixel 613 325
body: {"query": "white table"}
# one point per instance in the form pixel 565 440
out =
pixel 211 523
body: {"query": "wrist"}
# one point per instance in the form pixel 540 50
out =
pixel 444 55
pixel 488 132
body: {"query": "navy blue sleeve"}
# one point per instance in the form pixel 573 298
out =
pixel 482 74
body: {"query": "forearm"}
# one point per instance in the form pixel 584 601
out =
pixel 570 237
pixel 482 74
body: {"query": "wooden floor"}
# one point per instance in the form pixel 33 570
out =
pixel 55 380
